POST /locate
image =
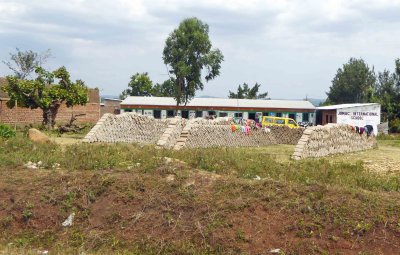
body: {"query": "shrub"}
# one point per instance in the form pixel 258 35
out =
pixel 394 126
pixel 6 131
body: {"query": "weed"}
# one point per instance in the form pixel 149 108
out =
pixel 27 213
pixel 6 221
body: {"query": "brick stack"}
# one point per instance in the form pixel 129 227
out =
pixel 128 128
pixel 221 135
pixel 320 141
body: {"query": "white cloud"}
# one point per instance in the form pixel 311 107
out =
pixel 279 43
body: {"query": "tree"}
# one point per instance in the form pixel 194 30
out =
pixel 352 84
pixel 140 85
pixel 186 53
pixel 23 63
pixel 44 94
pixel 248 93
pixel 165 89
pixel 388 92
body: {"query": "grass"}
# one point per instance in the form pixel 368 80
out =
pixel 245 163
pixel 312 200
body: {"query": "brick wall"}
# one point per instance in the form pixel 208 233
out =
pixel 110 106
pixel 26 116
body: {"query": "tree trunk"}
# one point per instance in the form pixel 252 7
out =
pixel 49 116
pixel 46 119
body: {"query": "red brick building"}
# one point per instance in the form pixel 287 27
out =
pixel 26 116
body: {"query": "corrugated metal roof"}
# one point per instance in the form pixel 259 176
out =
pixel 342 106
pixel 220 102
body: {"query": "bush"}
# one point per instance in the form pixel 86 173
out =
pixel 394 126
pixel 6 131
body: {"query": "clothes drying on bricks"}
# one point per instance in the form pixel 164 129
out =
pixel 369 129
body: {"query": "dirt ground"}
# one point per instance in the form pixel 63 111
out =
pixel 385 159
pixel 175 211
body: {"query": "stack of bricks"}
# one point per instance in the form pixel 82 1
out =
pixel 320 141
pixel 218 133
pixel 128 128
pixel 172 134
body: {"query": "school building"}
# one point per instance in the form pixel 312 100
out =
pixel 165 107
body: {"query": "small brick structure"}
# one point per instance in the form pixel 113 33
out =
pixel 110 105
pixel 321 141
pixel 26 116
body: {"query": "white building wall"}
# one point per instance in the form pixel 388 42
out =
pixel 360 116
pixel 148 113
pixel 163 114
pixel 299 117
pixel 192 114
pixel 311 118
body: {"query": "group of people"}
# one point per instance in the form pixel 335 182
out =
pixel 244 125
pixel 368 129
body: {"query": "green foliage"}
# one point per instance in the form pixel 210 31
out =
pixel 42 93
pixel 23 63
pixel 187 52
pixel 388 94
pixel 352 84
pixel 140 85
pixel 6 131
pixel 165 89
pixel 394 126
pixel 246 92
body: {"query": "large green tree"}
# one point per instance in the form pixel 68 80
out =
pixel 187 52
pixel 139 85
pixel 245 92
pixel 43 93
pixel 353 83
pixel 24 63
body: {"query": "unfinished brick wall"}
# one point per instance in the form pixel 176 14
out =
pixel 128 128
pixel 320 141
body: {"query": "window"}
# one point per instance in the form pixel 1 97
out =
pixel 127 110
pixel 265 114
pixel 170 113
pixel 223 114
pixel 238 115
pixel 278 114
pixel 211 113
pixel 292 116
pixel 305 116
pixel 185 114
pixel 291 122
pixel 157 114
pixel 252 115
pixel 199 114
pixel 280 122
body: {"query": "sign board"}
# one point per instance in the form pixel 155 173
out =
pixel 360 116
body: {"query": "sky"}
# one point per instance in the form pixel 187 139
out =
pixel 293 48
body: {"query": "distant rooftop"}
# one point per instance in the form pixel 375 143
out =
pixel 342 106
pixel 219 102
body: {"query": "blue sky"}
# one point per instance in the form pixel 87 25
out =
pixel 292 47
